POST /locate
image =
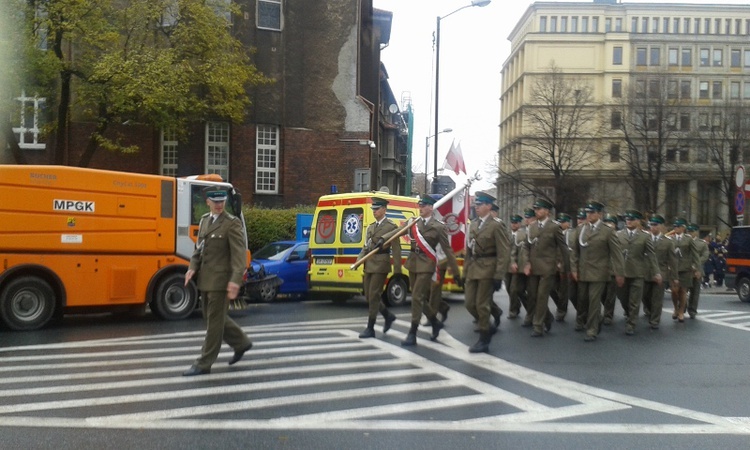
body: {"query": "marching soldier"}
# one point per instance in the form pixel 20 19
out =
pixel 378 266
pixel 702 253
pixel 486 265
pixel 597 254
pixel 544 242
pixel 529 217
pixel 515 280
pixel 653 291
pixel 571 241
pixel 610 292
pixel 426 235
pixel 686 263
pixel 640 260
pixel 561 292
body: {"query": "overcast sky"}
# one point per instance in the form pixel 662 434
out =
pixel 473 46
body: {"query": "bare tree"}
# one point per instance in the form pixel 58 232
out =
pixel 722 133
pixel 560 125
pixel 652 120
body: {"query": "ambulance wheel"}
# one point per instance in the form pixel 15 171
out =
pixel 27 303
pixel 395 293
pixel 172 299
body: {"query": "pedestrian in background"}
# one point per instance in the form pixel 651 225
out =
pixel 378 266
pixel 720 269
pixel 219 261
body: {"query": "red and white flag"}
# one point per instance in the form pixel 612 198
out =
pixel 454 214
pixel 454 160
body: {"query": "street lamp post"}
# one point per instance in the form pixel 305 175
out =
pixel 480 3
pixel 427 152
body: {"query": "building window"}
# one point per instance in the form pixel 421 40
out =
pixel 595 24
pixel 616 120
pixel 717 26
pixel 168 159
pixel 747 58
pixel 584 24
pixel 701 155
pixel 640 56
pixel 640 88
pixel 655 56
pixel 686 25
pixel 746 90
pixel 716 121
pixel 617 56
pixel 217 149
pixel 697 27
pixel 543 24
pixel 671 121
pixel 687 57
pixel 703 89
pixel 267 159
pixel 666 25
pixel 361 180
pixel 685 89
pixel 30 118
pixel 269 14
pixel 616 88
pixel 676 27
pixel 703 121
pixel 707 26
pixel 737 26
pixel 654 89
pixel 717 90
pixel 618 25
pixel 553 24
pixel 704 58
pixel 564 24
pixel 614 153
pixel 718 57
pixel 634 25
pixel 607 25
pixel 735 57
pixel 655 25
pixel 685 121
pixel 644 24
pixel 673 56
pixel 574 24
pixel 672 89
pixel 734 90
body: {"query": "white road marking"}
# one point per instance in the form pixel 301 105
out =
pixel 334 341
pixel 739 320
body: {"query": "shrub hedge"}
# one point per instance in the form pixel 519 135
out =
pixel 265 225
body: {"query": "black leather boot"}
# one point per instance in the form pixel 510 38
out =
pixel 483 344
pixel 411 338
pixel 389 319
pixel 436 327
pixel 369 332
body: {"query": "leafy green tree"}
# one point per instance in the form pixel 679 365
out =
pixel 163 63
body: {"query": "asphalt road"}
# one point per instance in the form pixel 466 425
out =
pixel 309 382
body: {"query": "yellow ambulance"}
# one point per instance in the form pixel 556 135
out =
pixel 337 237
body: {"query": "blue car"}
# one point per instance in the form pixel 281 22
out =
pixel 287 260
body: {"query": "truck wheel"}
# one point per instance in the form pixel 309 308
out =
pixel 395 293
pixel 173 300
pixel 743 289
pixel 27 303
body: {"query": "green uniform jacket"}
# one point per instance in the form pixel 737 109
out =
pixel 519 254
pixel 638 254
pixel 488 252
pixel 666 258
pixel 434 233
pixel 597 254
pixel 220 253
pixel 686 252
pixel 381 262
pixel 701 252
pixel 544 245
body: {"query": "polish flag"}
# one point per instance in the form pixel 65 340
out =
pixel 454 160
pixel 454 214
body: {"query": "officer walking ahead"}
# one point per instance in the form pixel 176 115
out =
pixel 378 266
pixel 596 255
pixel 422 266
pixel 219 261
pixel 486 265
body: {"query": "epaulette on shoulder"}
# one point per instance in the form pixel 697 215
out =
pixel 206 215
pixel 497 219
pixel 390 221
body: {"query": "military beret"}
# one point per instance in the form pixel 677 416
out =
pixel 425 199
pixel 593 206
pixel 215 193
pixel 633 214
pixel 378 202
pixel 483 197
pixel 542 203
pixel 656 219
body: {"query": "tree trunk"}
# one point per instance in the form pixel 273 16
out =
pixel 93 144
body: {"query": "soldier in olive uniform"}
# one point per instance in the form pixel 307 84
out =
pixel 515 279
pixel 653 291
pixel 544 242
pixel 640 261
pixel 571 240
pixel 529 217
pixel 610 292
pixel 597 254
pixel 426 235
pixel 378 266
pixel 702 253
pixel 486 265
pixel 219 261
pixel 561 293
pixel 686 267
